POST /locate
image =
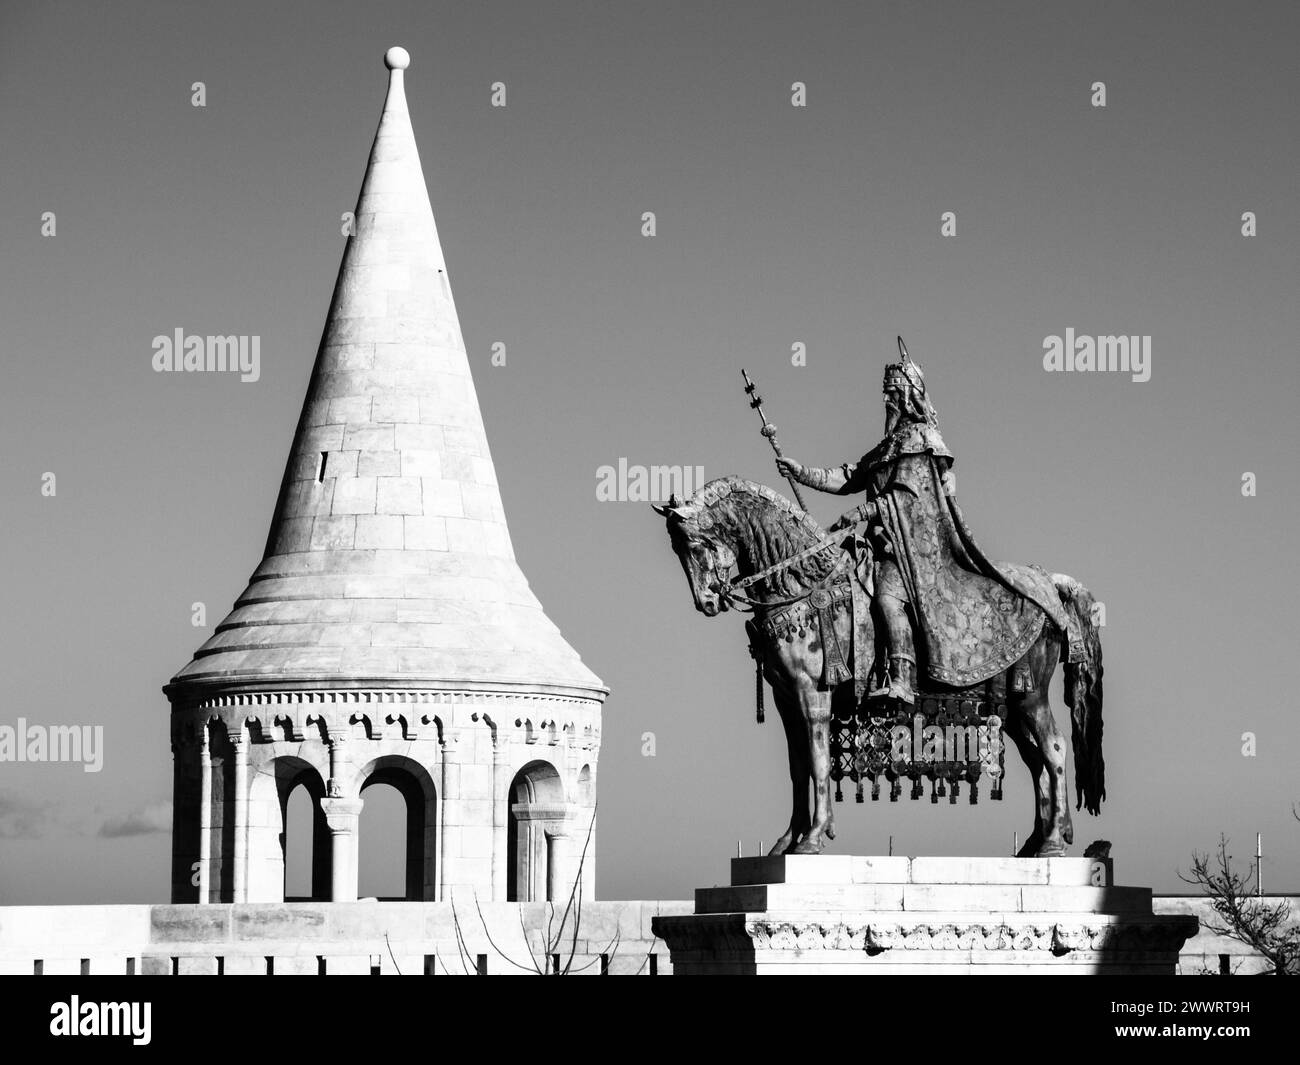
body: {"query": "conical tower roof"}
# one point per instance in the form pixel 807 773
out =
pixel 388 561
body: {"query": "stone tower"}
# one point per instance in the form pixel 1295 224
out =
pixel 388 635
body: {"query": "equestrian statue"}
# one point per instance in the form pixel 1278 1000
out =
pixel 892 626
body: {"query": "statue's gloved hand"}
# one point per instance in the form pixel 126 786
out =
pixel 790 468
pixel 844 521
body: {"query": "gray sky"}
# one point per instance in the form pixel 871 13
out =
pixel 775 225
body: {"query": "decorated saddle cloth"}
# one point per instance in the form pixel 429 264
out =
pixel 841 617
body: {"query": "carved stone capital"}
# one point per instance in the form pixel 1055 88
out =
pixel 341 815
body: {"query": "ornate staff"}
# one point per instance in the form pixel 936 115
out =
pixel 769 431
pixel 755 641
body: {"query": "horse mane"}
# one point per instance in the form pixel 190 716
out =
pixel 769 526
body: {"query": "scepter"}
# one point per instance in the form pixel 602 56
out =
pixel 769 431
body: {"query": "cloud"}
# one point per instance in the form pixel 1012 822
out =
pixel 25 817
pixel 142 821
pixel 22 817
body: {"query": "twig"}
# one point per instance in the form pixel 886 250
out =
pixel 390 954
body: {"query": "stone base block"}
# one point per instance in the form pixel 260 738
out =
pixel 839 914
pixel 874 869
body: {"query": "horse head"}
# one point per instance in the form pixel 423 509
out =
pixel 702 545
pixel 731 523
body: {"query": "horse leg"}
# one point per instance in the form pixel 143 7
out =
pixel 1036 710
pixel 1020 735
pixel 816 708
pixel 1053 798
pixel 796 739
pixel 799 663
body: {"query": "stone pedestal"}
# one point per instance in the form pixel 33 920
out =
pixel 827 914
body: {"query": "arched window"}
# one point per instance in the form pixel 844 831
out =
pixel 299 845
pixel 288 839
pixel 537 815
pixel 397 831
pixel 383 841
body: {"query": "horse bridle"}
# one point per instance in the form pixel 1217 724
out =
pixel 730 591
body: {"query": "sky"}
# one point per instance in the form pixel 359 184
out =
pixel 776 225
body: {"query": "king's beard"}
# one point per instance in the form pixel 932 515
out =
pixel 892 417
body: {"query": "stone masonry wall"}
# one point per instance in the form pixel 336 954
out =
pixel 409 938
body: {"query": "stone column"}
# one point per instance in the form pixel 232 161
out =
pixel 205 817
pixel 449 814
pixel 339 760
pixel 500 817
pixel 184 811
pixel 239 866
pixel 559 864
pixel 342 816
pixel 589 812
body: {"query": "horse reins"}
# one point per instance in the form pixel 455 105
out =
pixel 731 588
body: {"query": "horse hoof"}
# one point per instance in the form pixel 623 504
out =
pixel 808 845
pixel 1029 849
pixel 1051 850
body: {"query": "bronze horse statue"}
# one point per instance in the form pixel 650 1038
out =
pixel 781 560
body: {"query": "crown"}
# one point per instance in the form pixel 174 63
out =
pixel 905 371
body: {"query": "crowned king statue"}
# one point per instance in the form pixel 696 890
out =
pixel 932 583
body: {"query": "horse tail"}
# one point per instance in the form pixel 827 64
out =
pixel 1083 692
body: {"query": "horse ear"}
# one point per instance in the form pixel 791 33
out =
pixel 673 501
pixel 660 510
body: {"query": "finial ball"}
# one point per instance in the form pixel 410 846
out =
pixel 397 58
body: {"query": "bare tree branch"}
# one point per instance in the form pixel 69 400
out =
pixel 491 941
pixel 390 954
pixel 461 946
pixel 1266 927
pixel 553 938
